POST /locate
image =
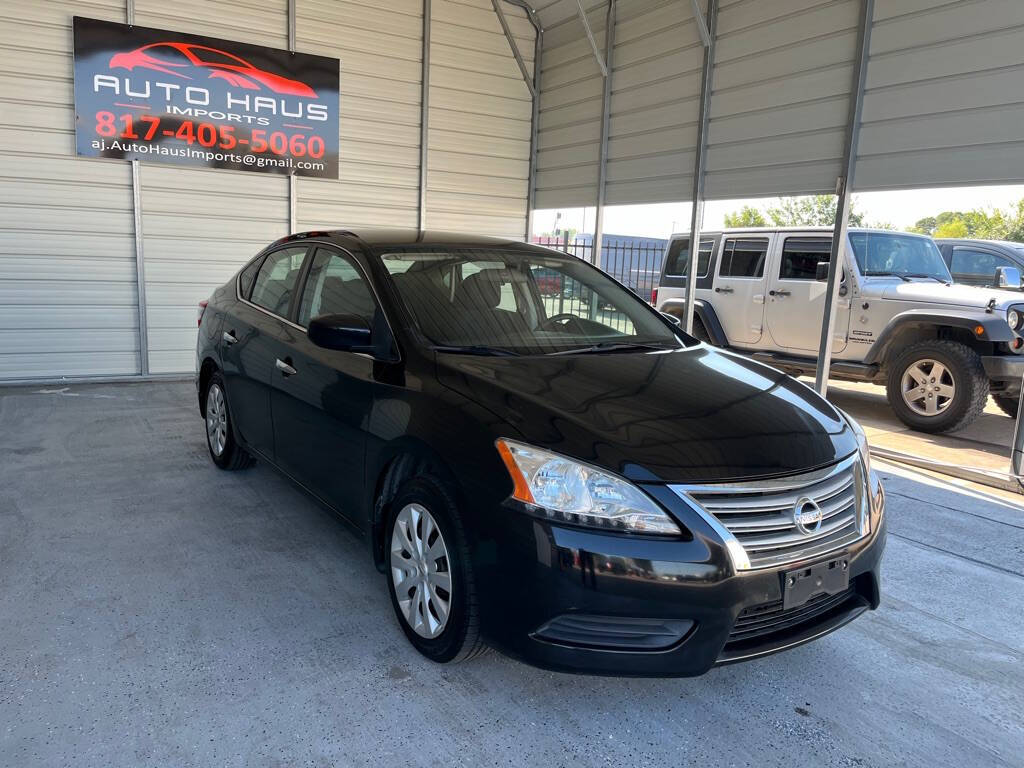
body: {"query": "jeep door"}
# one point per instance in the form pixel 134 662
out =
pixel 739 287
pixel 796 300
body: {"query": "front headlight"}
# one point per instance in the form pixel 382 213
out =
pixel 867 502
pixel 1013 319
pixel 566 490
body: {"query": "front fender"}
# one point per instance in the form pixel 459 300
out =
pixel 993 327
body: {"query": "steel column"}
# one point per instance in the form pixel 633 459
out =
pixel 140 269
pixel 606 108
pixel 293 182
pixel 844 184
pixel 697 214
pixel 424 116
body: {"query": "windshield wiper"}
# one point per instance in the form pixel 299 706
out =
pixel 900 275
pixel 933 277
pixel 476 349
pixel 611 346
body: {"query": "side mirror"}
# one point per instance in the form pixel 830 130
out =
pixel 347 333
pixel 821 271
pixel 1008 277
pixel 672 318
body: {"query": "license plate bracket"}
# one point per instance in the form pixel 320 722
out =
pixel 829 577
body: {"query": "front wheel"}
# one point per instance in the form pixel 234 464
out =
pixel 937 386
pixel 429 572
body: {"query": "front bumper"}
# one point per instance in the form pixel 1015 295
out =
pixel 1004 368
pixel 544 573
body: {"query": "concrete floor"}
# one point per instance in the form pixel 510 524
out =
pixel 156 611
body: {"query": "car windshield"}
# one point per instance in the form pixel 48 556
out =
pixel 484 301
pixel 883 253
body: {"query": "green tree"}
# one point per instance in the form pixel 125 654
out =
pixel 810 211
pixel 979 223
pixel 747 216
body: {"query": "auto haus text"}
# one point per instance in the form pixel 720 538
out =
pixel 235 108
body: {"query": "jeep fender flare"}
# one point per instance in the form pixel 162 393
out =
pixel 705 313
pixel 993 324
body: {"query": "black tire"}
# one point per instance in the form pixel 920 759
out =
pixel 700 332
pixel 460 638
pixel 1007 404
pixel 968 376
pixel 232 456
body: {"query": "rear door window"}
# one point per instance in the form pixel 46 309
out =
pixel 801 256
pixel 744 257
pixel 275 283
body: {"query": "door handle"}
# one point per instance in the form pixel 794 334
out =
pixel 723 289
pixel 284 367
pixel 778 293
pixel 229 337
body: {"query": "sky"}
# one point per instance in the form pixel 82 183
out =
pixel 900 209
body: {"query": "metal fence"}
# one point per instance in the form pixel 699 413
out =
pixel 634 262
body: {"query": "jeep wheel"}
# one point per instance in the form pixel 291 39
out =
pixel 937 386
pixel 1008 404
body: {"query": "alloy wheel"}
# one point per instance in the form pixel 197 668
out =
pixel 216 419
pixel 420 571
pixel 928 387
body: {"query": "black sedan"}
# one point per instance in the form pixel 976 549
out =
pixel 564 475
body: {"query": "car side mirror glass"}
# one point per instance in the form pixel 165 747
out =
pixel 1008 277
pixel 672 318
pixel 346 333
pixel 821 271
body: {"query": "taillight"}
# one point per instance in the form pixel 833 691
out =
pixel 654 297
pixel 202 310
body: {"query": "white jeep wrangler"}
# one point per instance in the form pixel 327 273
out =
pixel 940 349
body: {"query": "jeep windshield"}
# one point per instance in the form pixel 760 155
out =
pixel 478 301
pixel 895 255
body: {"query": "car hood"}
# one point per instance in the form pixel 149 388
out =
pixel 930 292
pixel 675 416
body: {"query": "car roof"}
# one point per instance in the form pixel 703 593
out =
pixel 770 230
pixel 385 238
pixel 978 241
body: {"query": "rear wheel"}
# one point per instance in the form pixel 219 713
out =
pixel 430 577
pixel 1008 404
pixel 700 332
pixel 224 450
pixel 937 386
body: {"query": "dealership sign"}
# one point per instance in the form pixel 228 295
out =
pixel 149 94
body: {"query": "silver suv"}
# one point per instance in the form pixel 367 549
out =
pixel 940 349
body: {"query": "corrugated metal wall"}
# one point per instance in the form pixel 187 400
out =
pixel 569 137
pixel 478 164
pixel 68 298
pixel 380 45
pixel 67 250
pixel 782 77
pixel 944 94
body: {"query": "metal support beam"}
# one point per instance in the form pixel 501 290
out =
pixel 601 62
pixel 424 116
pixel 129 12
pixel 531 184
pixel 527 77
pixel 140 270
pixel 702 24
pixel 844 185
pixel 606 109
pixel 291 26
pixel 697 214
pixel 293 182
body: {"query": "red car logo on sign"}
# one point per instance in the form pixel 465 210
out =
pixel 178 59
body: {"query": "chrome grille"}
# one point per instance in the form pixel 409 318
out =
pixel 761 515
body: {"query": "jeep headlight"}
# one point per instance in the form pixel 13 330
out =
pixel 1013 319
pixel 569 491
